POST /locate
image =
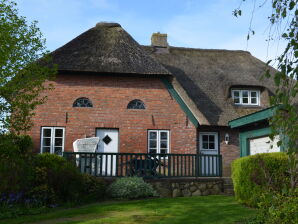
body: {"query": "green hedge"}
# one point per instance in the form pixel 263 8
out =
pixel 41 179
pixel 16 160
pixel 254 175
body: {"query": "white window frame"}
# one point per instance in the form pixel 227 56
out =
pixel 52 144
pixel 216 147
pixel 249 103
pixel 158 140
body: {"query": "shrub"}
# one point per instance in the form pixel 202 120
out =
pixel 15 163
pixel 278 208
pixel 130 188
pixel 254 175
pixel 59 176
pixel 94 188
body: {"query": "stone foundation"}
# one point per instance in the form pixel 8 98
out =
pixel 184 187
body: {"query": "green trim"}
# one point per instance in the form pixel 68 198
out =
pixel 254 117
pixel 180 101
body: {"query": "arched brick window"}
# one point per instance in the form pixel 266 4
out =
pixel 136 104
pixel 82 102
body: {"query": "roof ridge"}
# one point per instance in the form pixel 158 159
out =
pixel 204 49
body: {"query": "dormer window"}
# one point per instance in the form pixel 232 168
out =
pixel 246 97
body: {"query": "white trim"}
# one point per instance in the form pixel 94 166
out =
pixel 249 96
pixel 158 132
pixel 52 137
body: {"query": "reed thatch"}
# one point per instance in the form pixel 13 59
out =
pixel 106 48
pixel 207 76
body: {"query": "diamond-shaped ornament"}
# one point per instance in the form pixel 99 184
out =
pixel 107 139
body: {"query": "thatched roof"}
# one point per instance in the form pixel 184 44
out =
pixel 207 76
pixel 107 48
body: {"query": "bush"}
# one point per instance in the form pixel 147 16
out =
pixel 131 188
pixel 15 163
pixel 254 175
pixel 278 208
pixel 94 188
pixel 57 179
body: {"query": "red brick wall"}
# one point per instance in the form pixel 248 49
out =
pixel 228 151
pixel 110 96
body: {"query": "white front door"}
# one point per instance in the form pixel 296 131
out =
pixel 209 146
pixel 108 143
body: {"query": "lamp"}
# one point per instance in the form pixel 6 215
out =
pixel 227 138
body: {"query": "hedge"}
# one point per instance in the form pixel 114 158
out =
pixel 254 175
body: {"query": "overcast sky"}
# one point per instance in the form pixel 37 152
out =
pixel 188 23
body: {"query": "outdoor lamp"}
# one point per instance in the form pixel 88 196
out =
pixel 227 138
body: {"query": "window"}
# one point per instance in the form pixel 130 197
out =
pixel 246 97
pixel 82 102
pixel 158 141
pixel 136 104
pixel 52 140
pixel 208 142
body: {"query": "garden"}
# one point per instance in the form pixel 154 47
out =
pixel 46 188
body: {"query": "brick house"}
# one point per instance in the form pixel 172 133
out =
pixel 156 99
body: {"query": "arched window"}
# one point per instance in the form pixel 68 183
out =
pixel 136 104
pixel 82 102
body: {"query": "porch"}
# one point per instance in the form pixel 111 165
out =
pixel 146 165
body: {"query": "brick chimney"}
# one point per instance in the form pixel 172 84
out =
pixel 159 40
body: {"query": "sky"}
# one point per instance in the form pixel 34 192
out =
pixel 207 24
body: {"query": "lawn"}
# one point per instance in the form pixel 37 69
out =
pixel 201 209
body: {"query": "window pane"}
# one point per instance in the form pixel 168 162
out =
pixel 58 141
pixel 153 151
pixel 245 94
pixel 211 138
pixel 164 144
pixel 245 100
pixel 46 132
pixel 205 138
pixel 152 144
pixel 163 151
pixel 46 149
pixel 236 100
pixel 211 145
pixel 236 93
pixel 205 145
pixel 253 100
pixel 46 142
pixel 253 94
pixel 58 132
pixel 152 135
pixel 163 135
pixel 58 150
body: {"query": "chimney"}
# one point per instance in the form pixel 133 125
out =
pixel 159 42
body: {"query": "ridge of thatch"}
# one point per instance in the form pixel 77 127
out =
pixel 106 48
pixel 207 75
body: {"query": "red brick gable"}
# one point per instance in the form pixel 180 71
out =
pixel 110 96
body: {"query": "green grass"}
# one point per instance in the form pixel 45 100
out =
pixel 208 209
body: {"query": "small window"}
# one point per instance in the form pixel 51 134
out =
pixel 52 140
pixel 82 102
pixel 246 97
pixel 158 141
pixel 136 104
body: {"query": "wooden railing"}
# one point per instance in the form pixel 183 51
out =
pixel 147 165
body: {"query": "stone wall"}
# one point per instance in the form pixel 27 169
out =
pixel 184 187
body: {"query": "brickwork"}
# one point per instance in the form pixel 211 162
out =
pixel 110 96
